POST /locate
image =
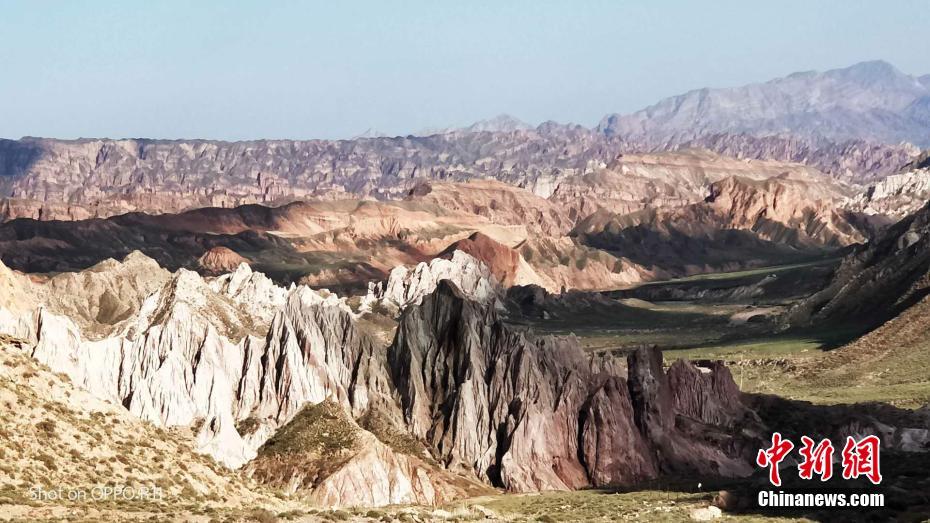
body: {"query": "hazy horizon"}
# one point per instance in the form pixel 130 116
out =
pixel 309 71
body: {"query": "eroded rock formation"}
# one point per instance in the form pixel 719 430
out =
pixel 527 413
pixel 219 260
pixel 895 196
pixel 407 286
pixel 286 383
pixel 876 280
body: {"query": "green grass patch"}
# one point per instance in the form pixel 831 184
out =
pixel 320 429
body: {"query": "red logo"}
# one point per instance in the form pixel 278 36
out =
pixel 817 459
pixel 774 455
pixel 859 458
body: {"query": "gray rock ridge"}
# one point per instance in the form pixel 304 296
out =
pixel 874 281
pixel 530 413
pixel 868 100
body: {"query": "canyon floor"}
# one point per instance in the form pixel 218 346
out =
pixel 717 316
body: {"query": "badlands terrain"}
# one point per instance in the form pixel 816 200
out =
pixel 500 322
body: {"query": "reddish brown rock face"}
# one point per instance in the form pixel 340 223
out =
pixel 526 413
pixel 685 440
pixel 219 260
pixel 500 259
pixel 612 449
pixel 705 391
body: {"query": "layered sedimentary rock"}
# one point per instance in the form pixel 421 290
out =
pixel 527 413
pixel 59 179
pixel 498 202
pixel 857 161
pixel 740 223
pixel 219 260
pixel 895 196
pixel 876 280
pixel 338 245
pixel 614 209
pixel 786 211
pixel 633 182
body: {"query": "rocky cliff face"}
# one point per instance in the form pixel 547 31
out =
pixel 786 211
pixel 286 384
pixel 634 182
pixel 876 280
pixel 183 356
pixel 686 446
pixel 857 161
pixel 527 413
pixel 238 359
pixel 740 223
pixel 51 179
pixel 408 286
pixel 504 263
pixel 895 196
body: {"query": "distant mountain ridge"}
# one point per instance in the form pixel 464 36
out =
pixel 856 124
pixel 869 100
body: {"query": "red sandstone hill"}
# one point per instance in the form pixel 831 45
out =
pixel 502 260
pixel 220 259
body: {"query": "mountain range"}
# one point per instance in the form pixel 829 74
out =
pixel 870 100
pixel 857 124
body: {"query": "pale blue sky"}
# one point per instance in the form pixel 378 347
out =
pixel 244 70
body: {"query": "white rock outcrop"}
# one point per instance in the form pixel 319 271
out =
pixel 252 290
pixel 204 354
pixel 407 286
pixel 896 196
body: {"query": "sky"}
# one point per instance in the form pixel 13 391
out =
pixel 236 70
